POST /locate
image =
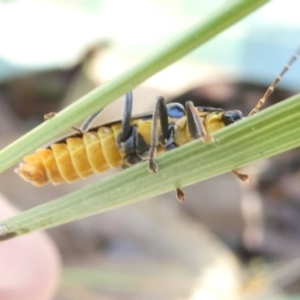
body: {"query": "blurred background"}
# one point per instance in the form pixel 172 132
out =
pixel 230 240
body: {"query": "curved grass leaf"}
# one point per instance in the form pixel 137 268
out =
pixel 270 132
pixel 98 98
pixel 235 146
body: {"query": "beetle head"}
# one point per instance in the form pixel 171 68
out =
pixel 232 116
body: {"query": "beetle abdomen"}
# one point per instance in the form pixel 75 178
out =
pixel 108 136
pixel 77 157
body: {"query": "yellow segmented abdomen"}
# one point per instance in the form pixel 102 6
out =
pixel 51 170
pixel 77 157
pixel 94 152
pixel 64 162
pixel 110 150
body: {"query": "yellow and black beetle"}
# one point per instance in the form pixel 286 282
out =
pixel 127 142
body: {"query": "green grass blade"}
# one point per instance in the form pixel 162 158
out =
pixel 267 133
pixel 98 98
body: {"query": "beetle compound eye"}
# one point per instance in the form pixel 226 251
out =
pixel 232 116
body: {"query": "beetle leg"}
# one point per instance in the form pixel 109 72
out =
pixel 243 177
pixel 130 160
pixel 180 195
pixel 170 144
pixel 196 128
pixel 126 117
pixel 78 130
pixel 85 126
pixel 126 131
pixel 161 114
pixel 166 139
pixel 49 116
pixel 129 142
pixel 126 138
pixel 89 120
pixel 129 148
pixel 125 121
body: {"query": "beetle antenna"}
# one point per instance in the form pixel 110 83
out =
pixel 271 88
